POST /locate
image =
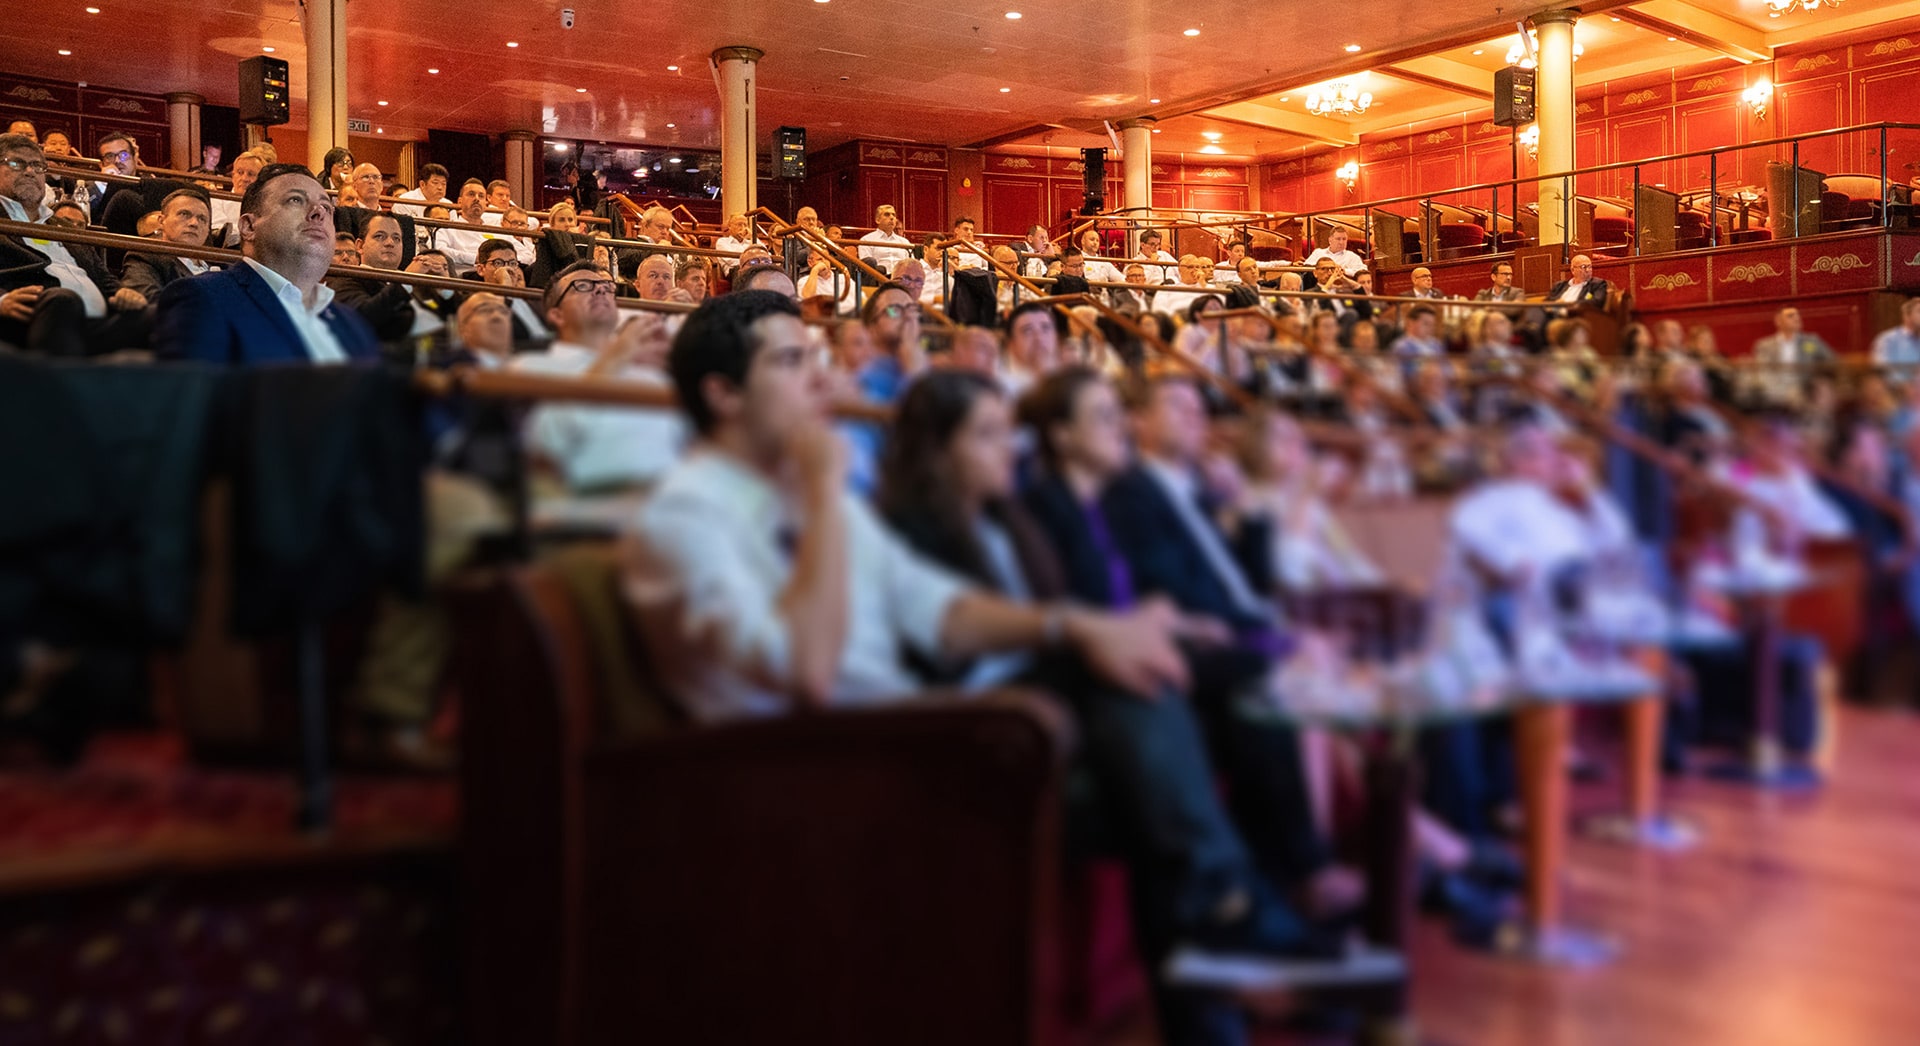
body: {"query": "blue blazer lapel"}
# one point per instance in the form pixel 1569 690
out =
pixel 262 297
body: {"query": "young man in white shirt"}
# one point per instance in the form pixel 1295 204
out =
pixel 432 189
pixel 1098 269
pixel 1151 251
pixel 1900 346
pixel 889 247
pixel 764 588
pixel 462 245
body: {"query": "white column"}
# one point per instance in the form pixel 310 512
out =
pixel 739 167
pixel 1136 145
pixel 183 120
pixel 1553 94
pixel 326 25
pixel 520 173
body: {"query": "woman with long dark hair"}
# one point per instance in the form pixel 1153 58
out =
pixel 337 168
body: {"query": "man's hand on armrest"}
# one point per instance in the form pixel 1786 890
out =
pixel 1134 650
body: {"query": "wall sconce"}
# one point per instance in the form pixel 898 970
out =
pixel 1530 138
pixel 1349 173
pixel 1757 97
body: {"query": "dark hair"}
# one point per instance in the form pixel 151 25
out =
pixel 498 183
pixel 343 234
pixel 193 191
pixel 1151 235
pixel 366 227
pixel 688 266
pixel 1052 402
pixel 489 247
pixel 1070 251
pixel 916 488
pixel 333 158
pixel 1013 317
pixel 251 202
pixel 1421 310
pixel 10 142
pixel 431 252
pixel 554 285
pixel 718 339
pixel 962 220
pixel 433 170
pixel 473 181
pixel 1194 307
pixel 871 309
pixel 100 144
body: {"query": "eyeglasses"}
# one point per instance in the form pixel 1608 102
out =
pixel 120 157
pixel 603 288
pixel 27 166
pixel 893 311
pixel 500 263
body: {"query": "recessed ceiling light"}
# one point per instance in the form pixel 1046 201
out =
pixel 1353 48
pixel 379 130
pixel 669 127
pixel 1615 18
pixel 1479 50
pixel 65 51
pixel 1153 101
pixel 1212 136
pixel 434 72
pixel 673 68
pixel 1283 97
pixel 579 90
pixel 268 50
pixel 1013 16
pixel 1191 32
pixel 1672 39
pixel 1156 130
pixel 819 1
pixel 382 102
pixel 676 159
pixel 513 43
pixel 93 10
pixel 1213 150
pixel 558 147
pixel 1006 90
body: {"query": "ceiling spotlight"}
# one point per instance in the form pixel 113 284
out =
pixel 1353 48
pixel 64 51
pixel 1213 150
pixel 669 127
pixel 93 10
pixel 268 50
pixel 1153 101
pixel 673 68
pixel 379 130
pixel 1013 16
pixel 1156 130
pixel 433 72
pixel 513 43
pixel 558 147
pixel 1212 136
pixel 1191 32
pixel 1478 51
pixel 380 103
pixel 1006 90
pixel 579 90
pixel 676 159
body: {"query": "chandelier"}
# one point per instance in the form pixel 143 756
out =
pixel 1776 8
pixel 1341 99
pixel 1522 51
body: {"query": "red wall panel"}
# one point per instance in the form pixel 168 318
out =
pixel 1010 204
pixel 878 185
pixel 1815 105
pixel 1635 138
pixel 926 204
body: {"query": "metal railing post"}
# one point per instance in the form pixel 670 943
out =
pixel 1886 190
pixel 1638 214
pixel 1795 174
pixel 1713 199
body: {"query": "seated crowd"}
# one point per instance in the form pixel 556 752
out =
pixel 1050 505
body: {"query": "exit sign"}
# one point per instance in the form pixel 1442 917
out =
pixel 359 126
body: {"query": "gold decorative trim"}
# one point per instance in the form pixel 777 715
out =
pixel 1438 137
pixel 31 94
pixel 1836 263
pixel 1017 163
pixel 1214 172
pixel 1386 148
pixel 1751 273
pixel 926 156
pixel 1640 97
pixel 1819 61
pixel 1707 83
pixel 882 153
pixel 1913 262
pixel 1887 47
pixel 1671 281
pixel 1584 108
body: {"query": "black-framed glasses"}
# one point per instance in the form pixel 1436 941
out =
pixel 500 263
pixel 122 156
pixel 27 166
pixel 604 288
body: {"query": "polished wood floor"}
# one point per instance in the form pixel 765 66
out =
pixel 1793 923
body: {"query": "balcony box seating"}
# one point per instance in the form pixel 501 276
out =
pixel 1460 240
pixel 1612 235
pixel 872 877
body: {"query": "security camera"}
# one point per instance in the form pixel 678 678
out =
pixel 566 18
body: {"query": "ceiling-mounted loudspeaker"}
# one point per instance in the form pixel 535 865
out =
pixel 263 91
pixel 790 152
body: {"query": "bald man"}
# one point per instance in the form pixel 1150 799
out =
pixel 1580 287
pixel 1423 284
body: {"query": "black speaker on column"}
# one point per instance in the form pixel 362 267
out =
pixel 264 98
pixel 1513 97
pixel 1093 180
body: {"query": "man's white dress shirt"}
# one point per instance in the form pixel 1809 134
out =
pixel 461 244
pixel 597 446
pixel 715 544
pixel 1794 495
pixel 890 249
pixel 318 338
pixel 1349 262
pixel 1897 347
pixel 60 263
pixel 1514 524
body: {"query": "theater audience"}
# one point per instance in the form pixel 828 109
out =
pixel 1502 288
pixel 118 154
pixel 499 267
pixel 1781 359
pixel 1423 284
pixel 336 168
pixel 1346 261
pixel 1422 335
pixel 273 307
pixel 1899 346
pixel 596 450
pixel 1034 332
pixel 889 247
pixel 761 274
pixel 1580 287
pixel 387 307
pixel 1150 250
pixel 56 299
pixel 226 213
pixel 460 244
pixel 1194 271
pixel 432 188
pixel 694 275
pixel 964 255
pixel 1098 269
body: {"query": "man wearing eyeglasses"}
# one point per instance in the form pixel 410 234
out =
pixel 1580 287
pixel 119 154
pixel 500 267
pixel 597 450
pixel 1503 288
pixel 56 298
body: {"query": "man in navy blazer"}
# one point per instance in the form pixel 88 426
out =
pixel 272 307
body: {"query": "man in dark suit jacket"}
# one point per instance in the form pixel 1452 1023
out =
pixel 272 307
pixel 186 216
pixel 1581 288
pixel 56 298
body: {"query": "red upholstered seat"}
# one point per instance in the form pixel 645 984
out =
pixel 1459 240
pixel 1751 236
pixel 1833 209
